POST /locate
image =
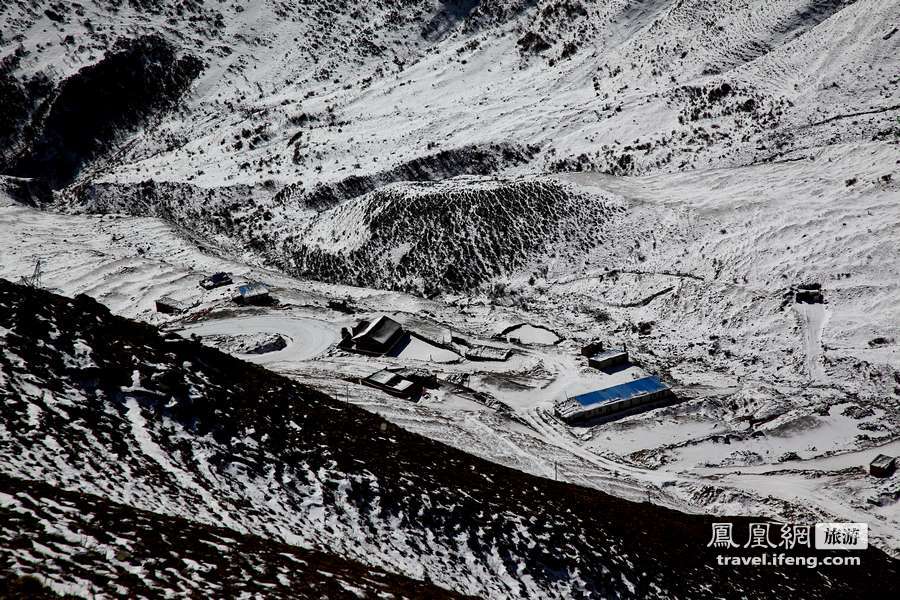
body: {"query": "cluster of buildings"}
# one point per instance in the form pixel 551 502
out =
pixel 384 336
pixel 618 398
pixel 245 293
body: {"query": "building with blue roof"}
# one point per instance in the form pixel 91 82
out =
pixel 617 399
pixel 252 293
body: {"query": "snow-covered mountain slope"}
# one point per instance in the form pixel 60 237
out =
pixel 307 121
pixel 141 422
pixel 81 544
pixel 665 174
pixel 315 92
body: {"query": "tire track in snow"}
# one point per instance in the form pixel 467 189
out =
pixel 812 318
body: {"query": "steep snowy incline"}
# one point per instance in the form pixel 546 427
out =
pixel 111 408
pixel 317 92
pixel 73 543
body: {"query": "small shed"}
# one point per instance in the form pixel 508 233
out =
pixel 252 293
pixel 809 293
pixel 487 353
pixel 170 306
pixel 883 466
pixel 392 383
pixel 592 348
pixel 216 280
pixel 379 336
pixel 608 359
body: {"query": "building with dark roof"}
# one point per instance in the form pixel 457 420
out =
pixel 171 306
pixel 379 336
pixel 608 359
pixel 882 466
pixel 216 280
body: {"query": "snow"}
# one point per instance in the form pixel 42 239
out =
pixel 419 349
pixel 813 317
pixel 152 450
pixel 719 224
pixel 529 334
pixel 307 338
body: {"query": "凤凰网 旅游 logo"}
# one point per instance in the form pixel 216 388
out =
pixel 842 536
pixel 789 536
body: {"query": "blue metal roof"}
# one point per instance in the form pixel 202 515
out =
pixel 624 391
pixel 249 288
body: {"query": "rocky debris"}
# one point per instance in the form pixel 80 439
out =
pixel 258 343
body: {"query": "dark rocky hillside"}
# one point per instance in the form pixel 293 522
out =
pixel 468 160
pixel 139 421
pixel 430 238
pixel 95 107
pixel 111 546
pixel 21 97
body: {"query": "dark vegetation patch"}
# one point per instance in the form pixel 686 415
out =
pixel 563 25
pixel 19 99
pixel 533 43
pixel 715 115
pixel 438 496
pixel 91 110
pixel 490 14
pixel 232 564
pixel 468 160
pixel 454 239
pixel 714 101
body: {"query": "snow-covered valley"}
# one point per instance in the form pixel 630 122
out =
pixel 677 178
